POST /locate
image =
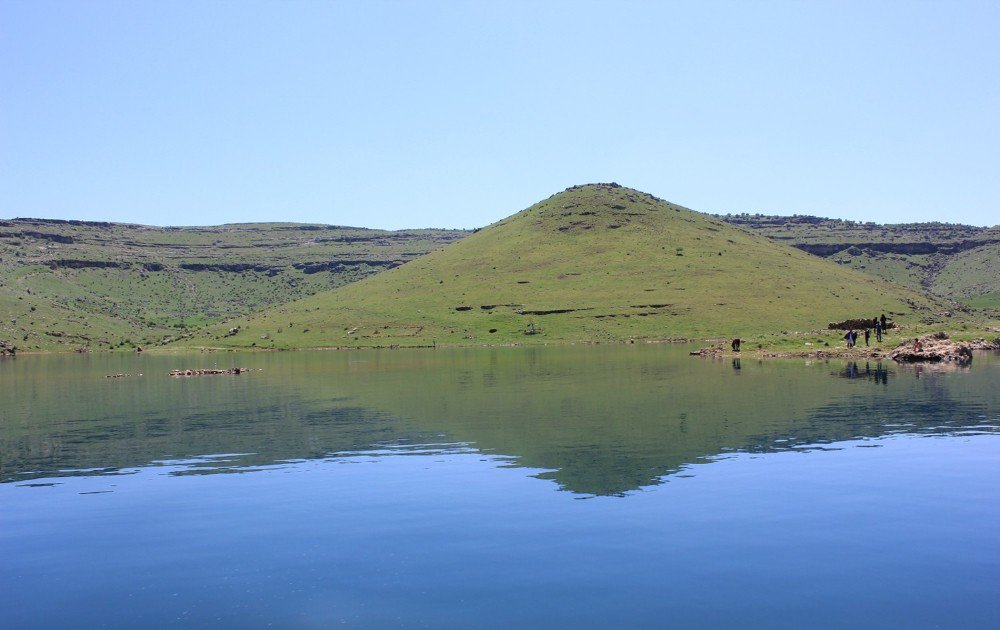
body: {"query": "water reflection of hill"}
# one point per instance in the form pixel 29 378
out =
pixel 598 420
pixel 612 420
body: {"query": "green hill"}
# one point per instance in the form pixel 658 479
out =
pixel 594 263
pixel 83 284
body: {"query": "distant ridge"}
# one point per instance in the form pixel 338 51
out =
pixel 94 285
pixel 959 262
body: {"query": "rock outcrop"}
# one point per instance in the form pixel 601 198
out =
pixel 984 344
pixel 936 348
pixel 857 324
pixel 208 372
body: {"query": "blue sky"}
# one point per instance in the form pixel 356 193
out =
pixel 457 114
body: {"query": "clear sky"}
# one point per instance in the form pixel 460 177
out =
pixel 457 114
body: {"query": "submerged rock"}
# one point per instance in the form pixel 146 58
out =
pixel 935 348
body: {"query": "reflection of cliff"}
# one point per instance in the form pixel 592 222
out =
pixel 603 420
pixel 60 413
pixel 930 400
pixel 268 435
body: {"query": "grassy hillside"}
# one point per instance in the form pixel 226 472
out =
pixel 73 284
pixel 32 323
pixel 959 262
pixel 972 276
pixel 597 262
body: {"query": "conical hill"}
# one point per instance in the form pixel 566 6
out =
pixel 593 263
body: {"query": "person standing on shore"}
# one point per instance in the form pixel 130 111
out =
pixel 867 335
pixel 850 338
pixel 882 319
pixel 878 331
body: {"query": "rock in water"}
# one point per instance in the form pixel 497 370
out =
pixel 208 372
pixel 934 348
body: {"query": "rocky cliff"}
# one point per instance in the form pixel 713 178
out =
pixel 959 262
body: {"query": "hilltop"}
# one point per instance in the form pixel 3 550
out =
pixel 598 262
pixel 83 284
pixel 959 262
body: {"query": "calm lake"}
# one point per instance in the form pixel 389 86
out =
pixel 606 486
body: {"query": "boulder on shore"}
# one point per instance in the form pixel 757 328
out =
pixel 857 324
pixel 712 351
pixel 936 348
pixel 983 344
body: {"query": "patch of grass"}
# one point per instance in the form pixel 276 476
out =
pixel 987 301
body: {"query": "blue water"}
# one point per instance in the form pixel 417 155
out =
pixel 593 487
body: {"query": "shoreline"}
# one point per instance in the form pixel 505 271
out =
pixel 719 349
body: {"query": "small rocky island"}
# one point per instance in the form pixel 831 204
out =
pixel 934 348
pixel 209 372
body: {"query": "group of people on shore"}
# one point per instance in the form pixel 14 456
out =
pixel 878 323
